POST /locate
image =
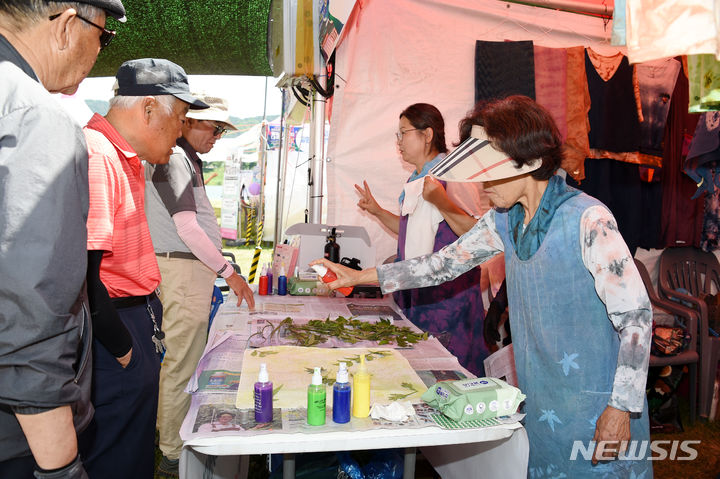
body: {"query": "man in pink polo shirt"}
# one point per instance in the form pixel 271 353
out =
pixel 144 120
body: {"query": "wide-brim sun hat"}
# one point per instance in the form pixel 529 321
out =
pixel 217 111
pixel 477 160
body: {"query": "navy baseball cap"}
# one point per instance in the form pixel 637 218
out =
pixel 155 76
pixel 114 8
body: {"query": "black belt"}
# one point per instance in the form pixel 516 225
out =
pixel 130 301
pixel 177 255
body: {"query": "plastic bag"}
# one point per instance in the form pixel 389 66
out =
pixel 383 464
pixel 669 341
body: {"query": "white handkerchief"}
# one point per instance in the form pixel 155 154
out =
pixel 413 193
pixel 395 411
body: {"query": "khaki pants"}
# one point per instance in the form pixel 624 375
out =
pixel 186 293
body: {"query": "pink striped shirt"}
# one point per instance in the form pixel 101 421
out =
pixel 116 220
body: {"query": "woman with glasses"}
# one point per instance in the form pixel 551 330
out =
pixel 429 220
pixel 579 312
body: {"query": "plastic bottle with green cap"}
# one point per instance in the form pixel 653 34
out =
pixel 361 390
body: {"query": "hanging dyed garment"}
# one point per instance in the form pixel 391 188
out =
pixel 503 69
pixel 657 82
pixel 704 83
pixel 550 80
pixel 614 124
pixel 618 23
pixel 681 217
pixel 666 28
pixel 576 147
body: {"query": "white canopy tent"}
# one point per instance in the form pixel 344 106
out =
pixel 393 54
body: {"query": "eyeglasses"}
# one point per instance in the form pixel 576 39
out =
pixel 105 37
pixel 217 129
pixel 399 134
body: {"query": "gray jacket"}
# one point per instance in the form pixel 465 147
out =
pixel 44 325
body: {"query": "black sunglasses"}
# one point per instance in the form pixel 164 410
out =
pixel 105 37
pixel 217 129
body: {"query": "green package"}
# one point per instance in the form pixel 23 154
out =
pixel 477 398
pixel 297 287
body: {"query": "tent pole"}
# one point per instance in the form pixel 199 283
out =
pixel 317 155
pixel 262 153
pixel 282 171
pixel 571 6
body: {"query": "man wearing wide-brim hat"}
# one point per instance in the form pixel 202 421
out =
pixel 187 242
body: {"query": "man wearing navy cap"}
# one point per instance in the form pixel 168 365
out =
pixel 143 122
pixel 45 362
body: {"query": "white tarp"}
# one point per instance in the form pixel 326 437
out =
pixel 396 53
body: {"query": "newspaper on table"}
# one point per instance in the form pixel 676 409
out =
pixel 215 384
pixel 290 369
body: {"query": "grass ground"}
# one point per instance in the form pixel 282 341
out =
pixel 244 256
pixel 707 463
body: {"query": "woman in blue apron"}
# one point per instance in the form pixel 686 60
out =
pixel 579 313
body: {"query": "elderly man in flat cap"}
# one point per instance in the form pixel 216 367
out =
pixel 45 341
pixel 187 242
pixel 142 124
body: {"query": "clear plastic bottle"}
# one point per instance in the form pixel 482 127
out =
pixel 341 396
pixel 263 397
pixel 316 400
pixel 270 279
pixel 361 390
pixel 282 282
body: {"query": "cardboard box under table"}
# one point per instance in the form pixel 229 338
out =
pixel 497 451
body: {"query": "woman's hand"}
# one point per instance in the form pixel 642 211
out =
pixel 367 200
pixel 434 192
pixel 612 434
pixel 347 276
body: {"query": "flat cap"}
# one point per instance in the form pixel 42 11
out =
pixel 155 76
pixel 114 8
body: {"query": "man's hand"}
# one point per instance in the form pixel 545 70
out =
pixel 125 360
pixel 241 290
pixel 612 434
pixel 367 200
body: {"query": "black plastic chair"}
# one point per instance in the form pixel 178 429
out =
pixel 689 356
pixel 697 273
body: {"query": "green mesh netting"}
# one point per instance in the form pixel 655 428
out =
pixel 205 37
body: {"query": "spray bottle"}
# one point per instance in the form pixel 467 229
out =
pixel 332 249
pixel 361 390
pixel 282 281
pixel 341 396
pixel 263 397
pixel 316 400
pixel 327 276
pixel 270 279
pixel 263 282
